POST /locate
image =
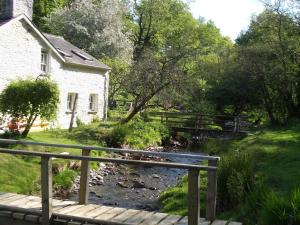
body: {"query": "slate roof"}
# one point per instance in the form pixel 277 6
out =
pixel 72 54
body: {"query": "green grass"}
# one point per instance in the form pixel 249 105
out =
pixel 276 151
pixel 21 174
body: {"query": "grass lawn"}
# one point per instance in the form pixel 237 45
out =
pixel 20 174
pixel 277 156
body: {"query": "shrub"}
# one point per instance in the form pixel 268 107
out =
pixel 27 99
pixel 278 210
pixel 64 180
pixel 138 134
pixel 235 179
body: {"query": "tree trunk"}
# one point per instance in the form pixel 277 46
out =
pixel 29 124
pixel 139 105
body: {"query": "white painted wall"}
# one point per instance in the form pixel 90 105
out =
pixel 20 56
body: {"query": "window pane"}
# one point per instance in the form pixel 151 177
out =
pixel 44 61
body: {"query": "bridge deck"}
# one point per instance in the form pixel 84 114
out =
pixel 28 208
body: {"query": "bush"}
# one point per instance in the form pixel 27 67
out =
pixel 138 134
pixel 64 180
pixel 26 100
pixel 235 180
pixel 278 210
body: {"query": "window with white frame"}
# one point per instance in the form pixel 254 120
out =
pixel 71 100
pixel 93 102
pixel 44 61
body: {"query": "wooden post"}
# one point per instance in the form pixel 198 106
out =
pixel 46 180
pixel 235 125
pixel 238 124
pixel 73 112
pixel 194 197
pixel 211 195
pixel 84 178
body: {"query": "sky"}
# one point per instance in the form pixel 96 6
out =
pixel 231 16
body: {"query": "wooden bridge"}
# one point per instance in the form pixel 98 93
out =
pixel 18 209
pixel 194 123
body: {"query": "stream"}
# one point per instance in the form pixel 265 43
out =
pixel 135 187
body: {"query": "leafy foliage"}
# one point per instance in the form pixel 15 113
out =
pixel 64 180
pixel 269 51
pixel 29 99
pixel 95 26
pixel 138 134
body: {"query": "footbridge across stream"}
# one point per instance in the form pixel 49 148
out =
pixel 16 209
pixel 201 124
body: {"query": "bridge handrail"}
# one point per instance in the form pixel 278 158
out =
pixel 111 160
pixel 117 150
pixel 193 177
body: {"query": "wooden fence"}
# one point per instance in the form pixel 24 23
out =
pixel 193 174
pixel 199 121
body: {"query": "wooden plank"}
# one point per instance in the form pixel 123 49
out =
pixel 138 218
pixel 46 180
pixel 81 211
pixel 21 202
pixel 154 219
pixel 211 194
pixel 110 214
pixel 11 199
pixel 125 215
pixel 171 219
pixel 68 209
pixel 84 178
pixel 193 197
pixel 6 195
pixel 97 211
pixel 223 222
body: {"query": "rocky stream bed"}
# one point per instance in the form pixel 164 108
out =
pixel 135 187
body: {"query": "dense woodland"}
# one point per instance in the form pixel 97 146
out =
pixel 162 57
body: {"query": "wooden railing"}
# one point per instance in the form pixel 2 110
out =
pixel 200 121
pixel 193 174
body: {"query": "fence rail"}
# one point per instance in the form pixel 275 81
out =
pixel 199 121
pixel 193 175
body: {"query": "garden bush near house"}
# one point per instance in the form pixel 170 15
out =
pixel 27 99
pixel 138 134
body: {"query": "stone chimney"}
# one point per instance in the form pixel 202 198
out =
pixel 13 8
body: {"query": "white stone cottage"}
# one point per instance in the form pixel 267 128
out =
pixel 25 51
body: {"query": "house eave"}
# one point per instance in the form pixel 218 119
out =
pixel 88 67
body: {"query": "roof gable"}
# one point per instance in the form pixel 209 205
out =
pixel 65 51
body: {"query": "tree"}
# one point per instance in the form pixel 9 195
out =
pixel 94 26
pixel 28 99
pixel 164 37
pixel 235 93
pixel 43 9
pixel 270 51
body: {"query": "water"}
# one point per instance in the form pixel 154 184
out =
pixel 137 187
